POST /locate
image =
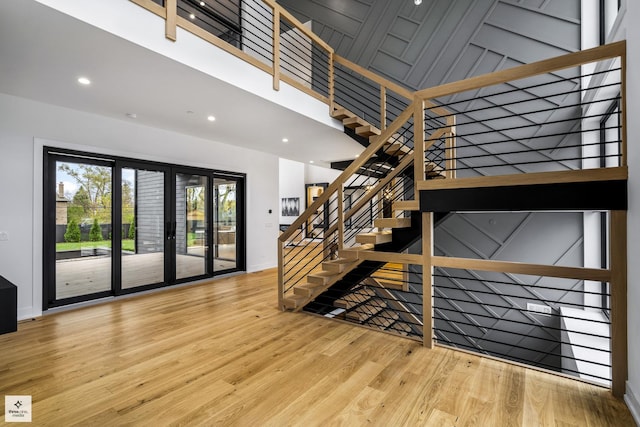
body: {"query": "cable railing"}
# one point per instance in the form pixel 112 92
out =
pixel 543 123
pixel 548 323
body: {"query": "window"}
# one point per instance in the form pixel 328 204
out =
pixel 608 14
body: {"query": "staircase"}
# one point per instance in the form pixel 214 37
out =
pixel 344 287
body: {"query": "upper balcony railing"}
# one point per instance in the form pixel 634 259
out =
pixel 264 34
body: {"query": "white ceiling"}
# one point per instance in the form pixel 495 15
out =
pixel 43 52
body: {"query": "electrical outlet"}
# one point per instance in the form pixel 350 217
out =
pixel 4 236
pixel 539 308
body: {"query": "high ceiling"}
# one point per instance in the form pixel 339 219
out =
pixel 43 51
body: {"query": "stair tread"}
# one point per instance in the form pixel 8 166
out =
pixel 406 205
pixel 308 289
pixel 337 265
pixel 352 252
pixel 392 222
pixel 384 319
pixel 323 273
pixel 367 130
pixel 354 122
pixel 341 114
pixel 366 310
pixel 395 149
pixel 294 301
pixel 375 237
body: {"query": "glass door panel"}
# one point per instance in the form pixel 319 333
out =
pixel 225 224
pixel 83 260
pixel 190 225
pixel 143 227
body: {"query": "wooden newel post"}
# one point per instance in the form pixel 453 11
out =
pixel 618 286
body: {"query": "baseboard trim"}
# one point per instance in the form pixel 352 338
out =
pixel 631 399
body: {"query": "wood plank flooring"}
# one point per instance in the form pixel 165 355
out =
pixel 220 353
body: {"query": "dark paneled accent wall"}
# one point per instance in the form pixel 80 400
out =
pixel 441 41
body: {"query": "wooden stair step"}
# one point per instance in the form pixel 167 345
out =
pixel 384 319
pixel 352 253
pixel 394 284
pixel 433 171
pixel 392 222
pixel 374 238
pixel 322 277
pixel 353 122
pixel 396 149
pixel 406 205
pixel 351 300
pixel 308 289
pixel 337 265
pixel 365 311
pixel 341 114
pixel 367 130
pixel 435 176
pixel 294 301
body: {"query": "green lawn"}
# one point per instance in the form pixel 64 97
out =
pixel 127 245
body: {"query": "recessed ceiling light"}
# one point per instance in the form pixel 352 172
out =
pixel 211 118
pixel 201 3
pixel 192 16
pixel 285 140
pixel 84 81
pixel 311 161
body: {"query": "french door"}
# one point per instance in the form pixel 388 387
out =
pixel 114 226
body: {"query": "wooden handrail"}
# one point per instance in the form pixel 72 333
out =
pixel 374 77
pixel 528 70
pixel 532 178
pixel 350 170
pixel 298 25
pixel 578 273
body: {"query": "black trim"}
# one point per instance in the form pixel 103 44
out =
pixel 117 164
pixel 598 195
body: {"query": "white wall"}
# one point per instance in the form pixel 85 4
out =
pixel 317 174
pixel 131 22
pixel 25 126
pixel 632 19
pixel 291 185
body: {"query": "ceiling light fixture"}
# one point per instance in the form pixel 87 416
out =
pixel 417 2
pixel 201 3
pixel 285 140
pixel 211 118
pixel 84 81
pixel 311 161
pixel 192 16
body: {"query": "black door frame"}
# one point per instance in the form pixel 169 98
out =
pixel 117 163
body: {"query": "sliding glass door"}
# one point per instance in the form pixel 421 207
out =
pixel 191 225
pixel 81 233
pixel 143 243
pixel 226 222
pixel 114 226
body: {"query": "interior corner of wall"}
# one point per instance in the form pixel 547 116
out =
pixel 633 403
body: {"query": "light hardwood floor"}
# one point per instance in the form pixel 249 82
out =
pixel 220 353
